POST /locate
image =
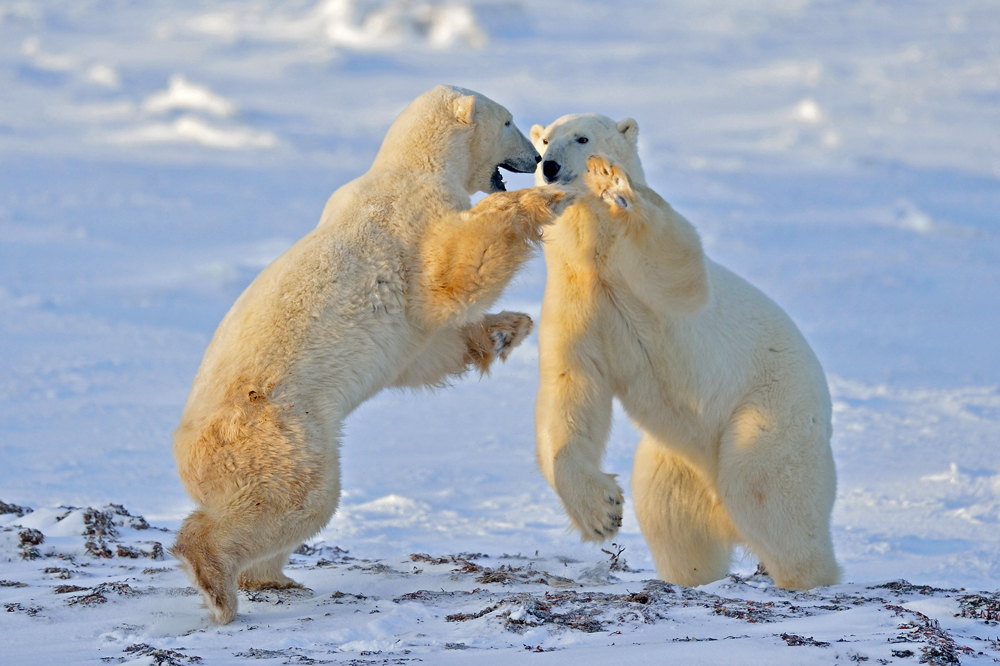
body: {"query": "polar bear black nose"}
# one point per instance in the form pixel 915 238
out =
pixel 549 169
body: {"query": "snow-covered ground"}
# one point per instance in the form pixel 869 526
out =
pixel 844 157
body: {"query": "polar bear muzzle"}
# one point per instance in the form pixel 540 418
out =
pixel 523 163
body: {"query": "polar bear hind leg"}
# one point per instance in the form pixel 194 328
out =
pixel 225 550
pixel 254 517
pixel 777 481
pixel 268 575
pixel 685 526
pixel 209 563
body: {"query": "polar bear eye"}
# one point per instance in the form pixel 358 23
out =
pixel 545 142
pixel 582 139
pixel 507 124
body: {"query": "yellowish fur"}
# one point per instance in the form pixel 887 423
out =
pixel 732 402
pixel 389 290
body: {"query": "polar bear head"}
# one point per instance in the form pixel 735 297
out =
pixel 460 133
pixel 566 144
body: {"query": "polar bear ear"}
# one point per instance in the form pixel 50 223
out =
pixel 464 108
pixel 630 129
pixel 536 131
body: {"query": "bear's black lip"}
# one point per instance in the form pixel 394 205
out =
pixel 564 178
pixel 496 180
pixel 516 169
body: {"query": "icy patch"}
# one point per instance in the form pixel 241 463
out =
pixel 189 129
pixel 103 75
pixel 792 72
pixel 808 111
pixel 375 646
pixel 911 218
pixel 16 11
pixel 182 94
pixel 350 24
pixel 48 61
pixel 102 112
pixel 935 512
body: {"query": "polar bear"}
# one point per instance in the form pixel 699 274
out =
pixel 389 290
pixel 732 403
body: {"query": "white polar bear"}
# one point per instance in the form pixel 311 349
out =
pixel 389 290
pixel 732 402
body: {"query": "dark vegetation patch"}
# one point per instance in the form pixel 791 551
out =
pixel 28 541
pixel 588 612
pixel 58 572
pixel 939 647
pixel 160 657
pixel 30 611
pixel 20 511
pixel 66 589
pixel 901 587
pixel 795 641
pixel 617 562
pixel 983 607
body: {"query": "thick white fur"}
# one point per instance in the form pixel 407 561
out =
pixel 732 402
pixel 389 290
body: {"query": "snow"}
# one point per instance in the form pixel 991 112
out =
pixel 182 94
pixel 191 129
pixel 844 157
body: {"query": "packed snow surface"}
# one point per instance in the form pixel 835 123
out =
pixel 843 157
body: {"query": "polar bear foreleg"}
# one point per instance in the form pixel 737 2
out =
pixel 666 265
pixel 469 258
pixel 452 352
pixel 609 182
pixel 688 531
pixel 573 422
pixel 494 337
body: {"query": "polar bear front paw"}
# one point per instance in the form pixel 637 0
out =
pixel 507 330
pixel 594 504
pixel 608 181
pixel 495 337
pixel 551 201
pixel 559 200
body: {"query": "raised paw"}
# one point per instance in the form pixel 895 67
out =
pixel 594 503
pixel 559 200
pixel 608 181
pixel 507 330
pixel 553 199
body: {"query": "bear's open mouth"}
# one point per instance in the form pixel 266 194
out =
pixel 514 166
pixel 496 181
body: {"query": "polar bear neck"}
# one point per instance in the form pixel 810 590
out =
pixel 425 140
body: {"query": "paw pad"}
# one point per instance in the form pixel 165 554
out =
pixel 501 340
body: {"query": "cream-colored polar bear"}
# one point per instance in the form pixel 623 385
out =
pixel 389 290
pixel 732 403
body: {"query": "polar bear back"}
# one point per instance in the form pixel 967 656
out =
pixel 344 281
